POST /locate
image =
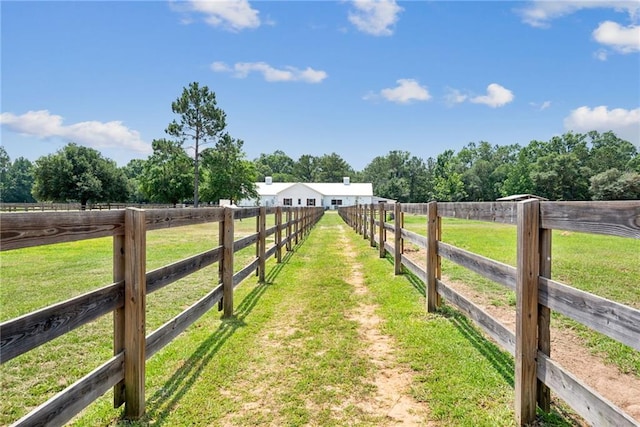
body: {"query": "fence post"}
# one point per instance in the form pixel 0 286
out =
pixel 402 226
pixel 134 311
pixel 227 264
pixel 279 234
pixel 372 226
pixel 544 317
pixel 528 268
pixel 119 268
pixel 433 259
pixel 365 222
pixel 289 217
pixel 381 219
pixel 262 242
pixel 397 238
pixel 295 224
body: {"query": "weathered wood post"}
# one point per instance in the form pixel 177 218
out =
pixel 279 234
pixel 135 290
pixel 119 271
pixel 381 233
pixel 402 226
pixel 365 222
pixel 262 242
pixel 397 238
pixel 296 224
pixel 544 317
pixel 227 264
pixel 372 226
pixel 528 269
pixel 433 259
pixel 289 236
pixel 221 244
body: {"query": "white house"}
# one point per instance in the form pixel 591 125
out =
pixel 327 195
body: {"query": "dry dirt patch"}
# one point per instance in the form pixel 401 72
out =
pixel 392 398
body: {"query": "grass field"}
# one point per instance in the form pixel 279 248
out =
pixel 290 356
pixel 36 277
pixel 603 265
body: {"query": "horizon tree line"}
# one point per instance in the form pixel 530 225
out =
pixel 574 166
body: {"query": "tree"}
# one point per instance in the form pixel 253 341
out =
pixel 226 172
pixel 447 182
pixel 5 165
pixel 398 176
pixel 167 175
pixel 19 181
pixel 332 168
pixel 277 165
pixel 615 185
pixel 200 120
pixel 305 169
pixel 610 152
pixel 132 171
pixel 77 173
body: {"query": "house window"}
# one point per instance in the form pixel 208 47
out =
pixel 299 201
pixel 287 202
pixel 336 202
pixel 311 202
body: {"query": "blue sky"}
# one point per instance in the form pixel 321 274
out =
pixel 359 78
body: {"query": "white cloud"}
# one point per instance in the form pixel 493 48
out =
pixel 220 67
pixel 43 124
pixel 232 15
pixel 496 96
pixel 539 13
pixel 375 17
pixel 271 74
pixel 541 107
pixel 601 54
pixel 454 96
pixel 407 91
pixel 625 123
pixel 614 35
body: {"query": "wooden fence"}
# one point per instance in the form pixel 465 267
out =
pixel 126 297
pixel 42 207
pixel 536 373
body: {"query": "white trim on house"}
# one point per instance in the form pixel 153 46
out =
pixel 298 194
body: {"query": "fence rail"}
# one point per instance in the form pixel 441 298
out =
pixel 536 374
pixel 126 296
pixel 42 207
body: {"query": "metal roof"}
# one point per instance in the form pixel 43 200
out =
pixel 324 188
pixel 519 197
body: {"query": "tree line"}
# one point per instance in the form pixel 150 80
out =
pixel 573 166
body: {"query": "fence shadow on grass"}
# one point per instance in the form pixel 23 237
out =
pixel 415 281
pixel 165 400
pixel 502 362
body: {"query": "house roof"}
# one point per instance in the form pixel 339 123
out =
pixel 324 188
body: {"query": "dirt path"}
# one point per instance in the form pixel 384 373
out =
pixel 392 399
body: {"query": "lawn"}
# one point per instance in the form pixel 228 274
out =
pixel 607 266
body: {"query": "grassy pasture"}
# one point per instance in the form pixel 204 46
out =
pixel 290 356
pixel 37 277
pixel 607 266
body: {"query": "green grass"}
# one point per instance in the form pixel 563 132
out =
pixel 290 356
pixel 37 277
pixel 603 265
pixel 465 379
